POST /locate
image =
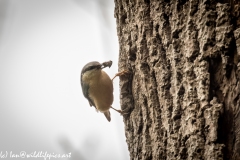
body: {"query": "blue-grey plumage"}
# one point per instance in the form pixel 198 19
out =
pixel 97 87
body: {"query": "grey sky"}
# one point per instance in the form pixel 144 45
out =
pixel 43 46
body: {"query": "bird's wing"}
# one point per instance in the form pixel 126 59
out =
pixel 85 88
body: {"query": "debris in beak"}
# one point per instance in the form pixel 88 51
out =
pixel 106 64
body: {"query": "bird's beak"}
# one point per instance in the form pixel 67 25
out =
pixel 99 66
pixel 106 64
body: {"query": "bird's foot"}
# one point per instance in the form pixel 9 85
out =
pixel 119 111
pixel 121 74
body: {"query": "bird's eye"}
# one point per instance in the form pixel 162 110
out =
pixel 92 67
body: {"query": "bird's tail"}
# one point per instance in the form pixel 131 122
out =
pixel 107 115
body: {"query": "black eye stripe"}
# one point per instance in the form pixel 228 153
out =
pixel 91 68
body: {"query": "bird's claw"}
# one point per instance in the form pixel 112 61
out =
pixel 121 74
pixel 120 111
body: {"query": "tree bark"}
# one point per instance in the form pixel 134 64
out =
pixel 182 96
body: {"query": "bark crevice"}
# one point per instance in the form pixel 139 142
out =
pixel 183 93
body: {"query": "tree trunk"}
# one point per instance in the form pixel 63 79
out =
pixel 182 97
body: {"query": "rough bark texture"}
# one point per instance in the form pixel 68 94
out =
pixel 183 94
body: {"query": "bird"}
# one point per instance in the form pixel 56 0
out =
pixel 97 86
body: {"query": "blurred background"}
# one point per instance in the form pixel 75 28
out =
pixel 43 46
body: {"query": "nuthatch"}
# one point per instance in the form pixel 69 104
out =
pixel 97 87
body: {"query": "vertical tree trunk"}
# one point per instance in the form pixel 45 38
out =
pixel 183 94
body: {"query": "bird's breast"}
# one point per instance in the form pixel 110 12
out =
pixel 101 91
